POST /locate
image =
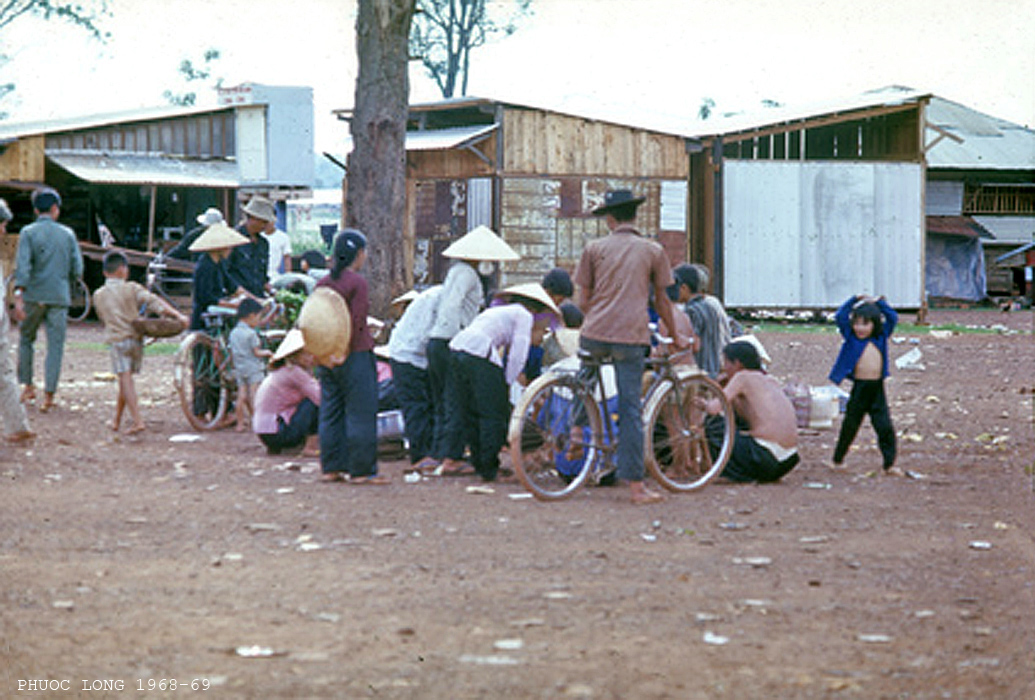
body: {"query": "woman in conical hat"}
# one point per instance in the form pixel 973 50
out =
pixel 287 403
pixel 474 255
pixel 211 281
pixel 488 356
pixel 348 391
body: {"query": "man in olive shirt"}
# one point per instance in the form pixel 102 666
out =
pixel 615 277
pixel 48 262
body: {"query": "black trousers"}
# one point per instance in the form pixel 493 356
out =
pixel 439 369
pixel 749 461
pixel 305 421
pixel 413 391
pixel 479 412
pixel 867 399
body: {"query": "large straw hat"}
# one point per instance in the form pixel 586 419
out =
pixel 260 208
pixel 217 236
pixel 481 244
pixel 535 292
pixel 292 343
pixel 326 326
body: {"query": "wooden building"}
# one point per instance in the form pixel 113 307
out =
pixel 532 174
pixel 145 175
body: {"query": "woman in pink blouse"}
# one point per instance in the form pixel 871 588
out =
pixel 287 403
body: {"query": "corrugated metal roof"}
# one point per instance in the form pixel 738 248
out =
pixel 1009 229
pixel 440 139
pixel 956 226
pixel 987 143
pixel 133 169
pixel 54 126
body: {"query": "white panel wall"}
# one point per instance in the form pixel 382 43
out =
pixel 251 143
pixel 479 202
pixel 810 234
pixel 944 198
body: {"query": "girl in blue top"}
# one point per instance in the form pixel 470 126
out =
pixel 865 323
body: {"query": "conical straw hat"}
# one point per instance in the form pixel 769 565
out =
pixel 217 236
pixel 292 343
pixel 535 292
pixel 481 244
pixel 326 326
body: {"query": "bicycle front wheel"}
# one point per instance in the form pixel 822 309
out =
pixel 554 433
pixel 200 380
pixel 686 447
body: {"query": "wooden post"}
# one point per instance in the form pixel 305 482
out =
pixel 151 220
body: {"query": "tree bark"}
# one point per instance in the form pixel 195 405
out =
pixel 375 199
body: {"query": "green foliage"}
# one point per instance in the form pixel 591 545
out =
pixel 87 17
pixel 192 72
pixel 292 302
pixel 444 32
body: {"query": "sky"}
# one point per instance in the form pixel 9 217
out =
pixel 588 56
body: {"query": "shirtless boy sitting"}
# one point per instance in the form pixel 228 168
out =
pixel 765 447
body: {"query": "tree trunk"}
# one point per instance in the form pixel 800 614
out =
pixel 375 199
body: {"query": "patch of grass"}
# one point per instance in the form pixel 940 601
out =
pixel 158 348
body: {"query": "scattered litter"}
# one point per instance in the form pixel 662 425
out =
pixel 519 496
pixel 257 652
pixel 716 639
pixel 932 399
pixel 63 604
pixel 508 644
pixel 309 547
pixel 412 478
pixel 756 562
pixel 262 527
pixel 999 525
pixel 983 631
pixel 978 544
pixel 316 656
pixel 104 377
pixel 911 360
pixel 940 334
pixel 649 537
pixel 947 436
pixel 557 595
pixel 874 638
pixel 707 617
pixel 755 603
pixel 233 556
pixel 483 490
pixel 816 485
pixel 528 622
pixel 815 539
pixel 733 526
pixel 923 614
pixel 286 490
pixel 493 660
pixel 185 437
pixel 288 467
pixel 918 476
pixel 384 532
pixel 52 477
pixel 136 521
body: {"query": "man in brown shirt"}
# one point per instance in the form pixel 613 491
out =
pixel 615 277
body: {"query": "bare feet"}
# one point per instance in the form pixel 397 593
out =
pixel 641 495
pixel 453 467
pixel 28 394
pixel 113 426
pixel 136 428
pixel 332 477
pixel 894 471
pixel 48 402
pixel 20 438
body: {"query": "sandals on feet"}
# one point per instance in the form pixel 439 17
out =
pixel 371 480
pixel 332 477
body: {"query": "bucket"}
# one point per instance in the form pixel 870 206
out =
pixel 824 405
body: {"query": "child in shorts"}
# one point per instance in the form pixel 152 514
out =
pixel 865 323
pixel 248 357
pixel 118 303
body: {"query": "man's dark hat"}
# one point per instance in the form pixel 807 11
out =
pixel 618 198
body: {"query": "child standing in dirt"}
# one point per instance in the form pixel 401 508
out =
pixel 118 303
pixel 248 357
pixel 865 323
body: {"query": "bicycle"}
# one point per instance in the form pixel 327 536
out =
pixel 563 431
pixel 166 275
pixel 203 367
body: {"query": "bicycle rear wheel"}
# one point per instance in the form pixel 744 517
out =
pixel 554 434
pixel 79 294
pixel 678 453
pixel 201 382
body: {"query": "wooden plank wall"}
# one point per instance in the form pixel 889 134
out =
pixel 545 143
pixel 23 160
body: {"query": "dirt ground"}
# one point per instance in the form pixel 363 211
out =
pixel 129 560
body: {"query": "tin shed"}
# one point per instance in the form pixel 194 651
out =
pixel 803 207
